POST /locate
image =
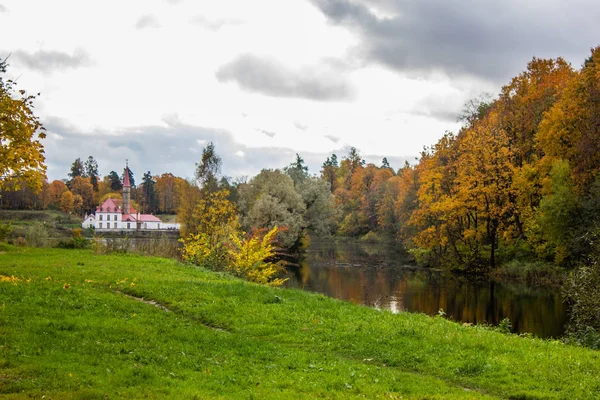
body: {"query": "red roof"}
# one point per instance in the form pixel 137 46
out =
pixel 126 177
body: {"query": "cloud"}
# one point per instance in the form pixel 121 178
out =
pixel 147 21
pixel 492 39
pixel 268 133
pixel 334 139
pixel 300 126
pixel 3 8
pixel 270 77
pixel 47 61
pixel 213 24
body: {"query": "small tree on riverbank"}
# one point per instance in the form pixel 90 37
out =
pixel 217 242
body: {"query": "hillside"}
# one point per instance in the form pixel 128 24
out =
pixel 74 324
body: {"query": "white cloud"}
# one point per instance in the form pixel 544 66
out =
pixel 113 86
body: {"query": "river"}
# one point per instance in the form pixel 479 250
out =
pixel 376 276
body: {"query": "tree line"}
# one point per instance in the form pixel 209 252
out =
pixel 520 179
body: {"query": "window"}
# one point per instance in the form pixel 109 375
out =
pixel 128 226
pixel 108 209
pixel 100 219
pixel 100 225
pixel 115 225
pixel 108 217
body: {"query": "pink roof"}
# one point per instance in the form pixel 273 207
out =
pixel 108 203
pixel 142 218
pixel 149 218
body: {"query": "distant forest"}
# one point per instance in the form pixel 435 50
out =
pixel 519 180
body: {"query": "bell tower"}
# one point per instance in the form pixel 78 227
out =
pixel 126 190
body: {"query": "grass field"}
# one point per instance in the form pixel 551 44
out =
pixel 78 325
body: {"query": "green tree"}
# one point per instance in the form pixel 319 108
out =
pixel 208 170
pixel 77 169
pixel 270 199
pixel 91 171
pixel 149 198
pixel 115 182
pixel 21 151
pixel 297 170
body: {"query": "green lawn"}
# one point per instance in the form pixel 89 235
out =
pixel 72 326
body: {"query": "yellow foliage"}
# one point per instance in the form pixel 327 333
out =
pixel 219 242
pixel 249 255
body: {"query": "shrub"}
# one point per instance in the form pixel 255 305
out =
pixel 5 230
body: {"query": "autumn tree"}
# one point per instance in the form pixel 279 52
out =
pixel 66 202
pixel 329 171
pixel 215 220
pixel 56 189
pixel 82 187
pixel 21 151
pixel 167 192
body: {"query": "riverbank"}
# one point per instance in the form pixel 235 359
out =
pixel 79 325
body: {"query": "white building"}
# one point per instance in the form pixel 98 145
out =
pixel 112 216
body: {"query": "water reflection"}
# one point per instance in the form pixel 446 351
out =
pixel 376 276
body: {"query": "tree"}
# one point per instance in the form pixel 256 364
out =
pixel 91 171
pixel 77 169
pixel 297 170
pixel 270 199
pixel 149 199
pixel 55 190
pixel 329 171
pixel 21 151
pixel 208 170
pixel 385 163
pixel 115 182
pixel 66 202
pixel 215 220
pixel 166 193
pixel 82 187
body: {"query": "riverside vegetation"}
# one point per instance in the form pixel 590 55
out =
pixel 76 324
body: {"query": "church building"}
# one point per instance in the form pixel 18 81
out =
pixel 115 215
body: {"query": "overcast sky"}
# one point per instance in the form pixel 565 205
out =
pixel 153 81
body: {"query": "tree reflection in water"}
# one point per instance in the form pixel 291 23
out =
pixel 376 276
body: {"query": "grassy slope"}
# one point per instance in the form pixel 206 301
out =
pixel 225 338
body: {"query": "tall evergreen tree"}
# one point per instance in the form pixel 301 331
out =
pixel 149 199
pixel 115 182
pixel 77 169
pixel 91 171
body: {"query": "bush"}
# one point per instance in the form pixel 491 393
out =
pixel 36 236
pixel 583 294
pixel 5 230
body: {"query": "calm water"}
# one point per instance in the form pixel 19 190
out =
pixel 376 276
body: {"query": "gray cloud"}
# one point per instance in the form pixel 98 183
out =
pixel 300 126
pixel 270 77
pixel 213 24
pixel 492 39
pixel 268 133
pixel 173 148
pixel 334 139
pixel 147 21
pixel 47 61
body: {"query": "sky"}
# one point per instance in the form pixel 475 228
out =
pixel 154 81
